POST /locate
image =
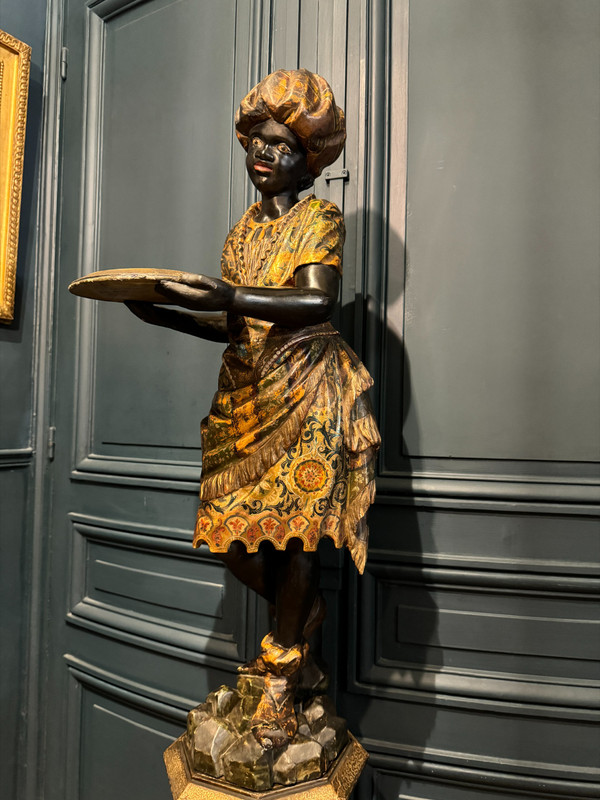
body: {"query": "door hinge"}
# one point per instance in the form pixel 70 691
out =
pixel 51 442
pixel 337 175
pixel 64 52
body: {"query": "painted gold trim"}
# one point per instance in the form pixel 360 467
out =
pixel 15 57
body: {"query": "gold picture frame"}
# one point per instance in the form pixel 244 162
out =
pixel 15 57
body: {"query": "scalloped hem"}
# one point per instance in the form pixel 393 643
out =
pixel 252 547
pixel 350 530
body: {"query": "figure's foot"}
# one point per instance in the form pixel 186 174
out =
pixel 274 722
pixel 256 666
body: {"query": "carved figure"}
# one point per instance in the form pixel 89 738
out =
pixel 290 441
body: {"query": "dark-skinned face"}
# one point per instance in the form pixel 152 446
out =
pixel 276 161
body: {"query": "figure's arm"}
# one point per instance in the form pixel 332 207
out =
pixel 206 326
pixel 310 302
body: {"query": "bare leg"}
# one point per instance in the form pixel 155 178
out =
pixel 284 651
pixel 290 579
pixel 297 582
pixel 254 570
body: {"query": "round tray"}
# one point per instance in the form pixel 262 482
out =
pixel 119 285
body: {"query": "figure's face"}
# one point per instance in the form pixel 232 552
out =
pixel 276 161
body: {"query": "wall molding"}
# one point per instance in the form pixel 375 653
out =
pixel 250 66
pixel 173 474
pixel 552 771
pixel 196 643
pixel 529 485
pixel 88 465
pixel 531 693
pixel 164 648
pixel 491 492
pixel 16 457
pixel 475 778
pixel 149 473
pixel 169 706
pixel 108 8
pixel 140 697
pixel 110 525
pixel 540 585
pixel 495 506
pixel 487 694
pixel 434 560
pixel 32 741
pixel 551 699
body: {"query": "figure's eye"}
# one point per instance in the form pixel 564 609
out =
pixel 256 141
pixel 284 148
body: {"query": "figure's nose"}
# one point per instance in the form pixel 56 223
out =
pixel 265 152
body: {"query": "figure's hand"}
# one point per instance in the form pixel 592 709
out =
pixel 198 293
pixel 148 312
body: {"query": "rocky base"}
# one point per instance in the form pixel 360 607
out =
pixel 220 744
pixel 337 783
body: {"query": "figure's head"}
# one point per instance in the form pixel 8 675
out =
pixel 304 103
pixel 276 160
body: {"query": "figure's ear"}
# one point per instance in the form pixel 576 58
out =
pixel 305 182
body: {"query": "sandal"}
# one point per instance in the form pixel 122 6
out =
pixel 315 619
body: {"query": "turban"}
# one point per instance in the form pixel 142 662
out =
pixel 304 103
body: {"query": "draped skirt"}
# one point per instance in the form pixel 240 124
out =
pixel 289 446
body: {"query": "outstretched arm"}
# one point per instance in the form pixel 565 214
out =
pixel 310 302
pixel 206 326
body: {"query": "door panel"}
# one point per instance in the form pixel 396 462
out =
pixel 142 626
pixel 109 725
pixel 498 305
pixel 465 657
pixel 156 194
pixel 475 641
pixel 155 587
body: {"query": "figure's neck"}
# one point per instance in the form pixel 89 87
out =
pixel 276 206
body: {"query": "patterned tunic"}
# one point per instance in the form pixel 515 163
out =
pixel 290 442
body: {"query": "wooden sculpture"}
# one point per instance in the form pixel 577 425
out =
pixel 290 441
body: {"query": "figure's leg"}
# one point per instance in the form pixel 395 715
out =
pixel 254 570
pixel 288 580
pixel 297 575
pixel 284 651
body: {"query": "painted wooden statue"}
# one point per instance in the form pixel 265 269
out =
pixel 290 441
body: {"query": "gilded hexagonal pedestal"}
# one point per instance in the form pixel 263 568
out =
pixel 336 784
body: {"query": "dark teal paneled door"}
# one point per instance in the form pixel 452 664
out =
pixel 468 651
pixel 141 626
pixel 476 642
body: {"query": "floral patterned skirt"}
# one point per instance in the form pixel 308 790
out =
pixel 289 447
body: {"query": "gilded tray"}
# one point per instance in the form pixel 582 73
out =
pixel 119 285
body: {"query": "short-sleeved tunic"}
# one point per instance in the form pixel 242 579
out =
pixel 290 441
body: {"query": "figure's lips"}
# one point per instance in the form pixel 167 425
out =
pixel 259 166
